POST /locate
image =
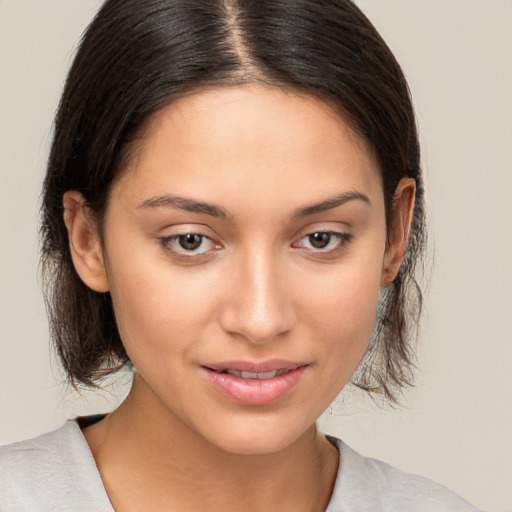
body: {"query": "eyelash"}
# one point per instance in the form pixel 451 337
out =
pixel 341 240
pixel 170 243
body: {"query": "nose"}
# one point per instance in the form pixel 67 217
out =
pixel 258 306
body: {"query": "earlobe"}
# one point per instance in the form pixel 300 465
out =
pixel 84 242
pixel 403 208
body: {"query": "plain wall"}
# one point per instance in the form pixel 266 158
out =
pixel 456 426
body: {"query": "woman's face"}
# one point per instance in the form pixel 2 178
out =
pixel 244 249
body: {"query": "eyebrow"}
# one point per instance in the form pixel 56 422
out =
pixel 201 207
pixel 331 203
pixel 187 204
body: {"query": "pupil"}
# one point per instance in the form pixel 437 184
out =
pixel 190 242
pixel 320 240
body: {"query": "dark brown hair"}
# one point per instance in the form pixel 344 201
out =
pixel 138 56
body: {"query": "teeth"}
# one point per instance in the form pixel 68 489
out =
pixel 256 375
pixel 266 375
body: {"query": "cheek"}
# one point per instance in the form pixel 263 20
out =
pixel 159 312
pixel 341 311
pixel 349 311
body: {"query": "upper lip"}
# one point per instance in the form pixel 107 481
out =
pixel 255 367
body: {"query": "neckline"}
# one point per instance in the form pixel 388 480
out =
pixel 82 422
pixel 87 421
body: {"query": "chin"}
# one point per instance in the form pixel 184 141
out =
pixel 259 438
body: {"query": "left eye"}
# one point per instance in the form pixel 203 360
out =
pixel 189 243
pixel 324 241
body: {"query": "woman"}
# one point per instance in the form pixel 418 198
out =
pixel 233 207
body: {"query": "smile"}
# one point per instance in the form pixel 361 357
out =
pixel 256 375
pixel 254 384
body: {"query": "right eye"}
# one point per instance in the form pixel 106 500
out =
pixel 188 244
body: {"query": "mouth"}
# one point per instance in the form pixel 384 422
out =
pixel 256 375
pixel 249 370
pixel 254 384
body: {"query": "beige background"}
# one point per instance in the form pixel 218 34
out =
pixel 457 423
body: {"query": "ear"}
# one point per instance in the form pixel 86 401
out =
pixel 398 234
pixel 84 242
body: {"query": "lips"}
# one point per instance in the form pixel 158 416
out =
pixel 256 375
pixel 254 384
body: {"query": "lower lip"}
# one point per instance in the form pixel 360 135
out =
pixel 254 391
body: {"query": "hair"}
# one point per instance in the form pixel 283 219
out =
pixel 137 56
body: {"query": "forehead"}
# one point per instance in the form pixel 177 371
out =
pixel 244 140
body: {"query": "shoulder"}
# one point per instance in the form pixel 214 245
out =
pixel 53 471
pixel 28 468
pixel 369 485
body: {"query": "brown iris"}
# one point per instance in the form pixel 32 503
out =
pixel 320 240
pixel 190 241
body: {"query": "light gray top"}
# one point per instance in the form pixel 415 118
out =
pixel 56 472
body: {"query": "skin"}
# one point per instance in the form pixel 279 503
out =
pixel 254 290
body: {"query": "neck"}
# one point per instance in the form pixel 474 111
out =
pixel 154 461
